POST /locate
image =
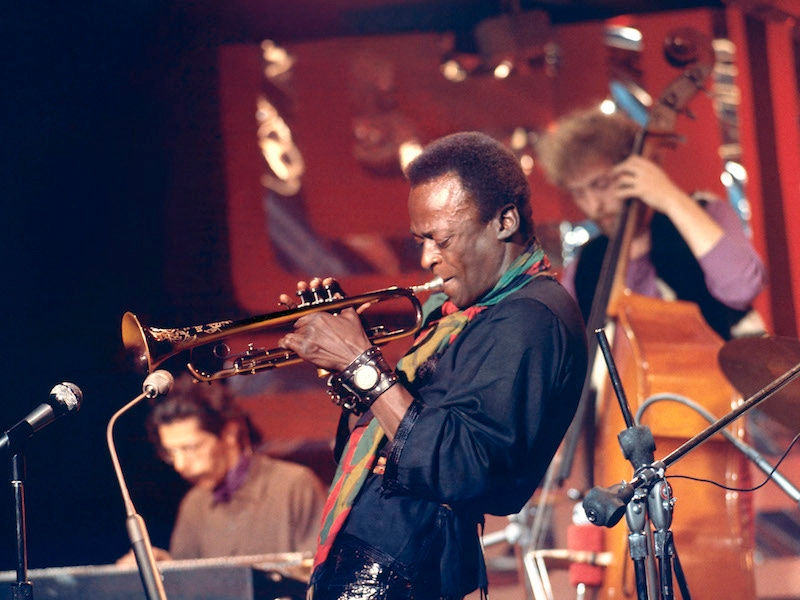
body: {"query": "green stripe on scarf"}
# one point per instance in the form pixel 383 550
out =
pixel 359 454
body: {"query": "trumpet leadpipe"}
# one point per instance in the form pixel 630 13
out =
pixel 434 285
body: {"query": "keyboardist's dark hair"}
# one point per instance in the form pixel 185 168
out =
pixel 212 404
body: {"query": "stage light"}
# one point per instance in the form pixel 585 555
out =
pixel 506 44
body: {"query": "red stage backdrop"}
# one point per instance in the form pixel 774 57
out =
pixel 333 123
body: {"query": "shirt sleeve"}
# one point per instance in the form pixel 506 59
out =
pixel 734 273
pixel 478 440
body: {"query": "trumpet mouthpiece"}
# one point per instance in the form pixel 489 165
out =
pixel 434 285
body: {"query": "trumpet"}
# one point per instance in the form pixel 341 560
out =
pixel 210 345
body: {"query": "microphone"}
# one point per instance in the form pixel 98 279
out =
pixel 158 383
pixel 65 397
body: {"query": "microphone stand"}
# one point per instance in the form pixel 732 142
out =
pixel 137 530
pixel 22 589
pixel 67 398
pixel 648 493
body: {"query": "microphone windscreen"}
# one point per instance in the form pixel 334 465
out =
pixel 585 539
pixel 159 382
pixel 68 396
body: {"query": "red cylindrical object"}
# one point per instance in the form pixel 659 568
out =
pixel 585 538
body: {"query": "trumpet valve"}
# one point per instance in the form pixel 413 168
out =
pixel 254 359
pixel 333 290
pixel 307 297
pixel 319 293
pixel 249 360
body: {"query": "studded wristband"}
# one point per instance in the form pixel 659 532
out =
pixel 359 384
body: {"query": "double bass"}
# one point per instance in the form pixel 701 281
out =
pixel 667 348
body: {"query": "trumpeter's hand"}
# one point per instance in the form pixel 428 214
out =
pixel 329 341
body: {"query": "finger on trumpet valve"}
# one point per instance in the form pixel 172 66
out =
pixel 316 290
pixel 332 289
pixel 304 293
pixel 286 302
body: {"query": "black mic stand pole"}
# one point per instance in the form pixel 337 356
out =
pixel 22 589
pixel 137 530
pixel 638 447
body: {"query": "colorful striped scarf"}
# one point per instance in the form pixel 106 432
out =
pixel 360 452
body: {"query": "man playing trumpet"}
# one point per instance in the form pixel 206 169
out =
pixel 468 421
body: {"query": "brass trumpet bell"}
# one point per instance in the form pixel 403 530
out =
pixel 226 348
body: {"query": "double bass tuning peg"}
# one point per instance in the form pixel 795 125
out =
pixel 683 46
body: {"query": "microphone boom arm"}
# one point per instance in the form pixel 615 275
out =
pixel 157 383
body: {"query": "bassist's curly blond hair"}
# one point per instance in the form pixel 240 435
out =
pixel 581 138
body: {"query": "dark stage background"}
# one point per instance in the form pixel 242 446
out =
pixel 107 126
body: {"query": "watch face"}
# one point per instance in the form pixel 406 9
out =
pixel 365 377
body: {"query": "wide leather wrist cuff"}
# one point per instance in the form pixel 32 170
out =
pixel 359 384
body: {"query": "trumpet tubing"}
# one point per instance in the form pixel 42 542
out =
pixel 148 347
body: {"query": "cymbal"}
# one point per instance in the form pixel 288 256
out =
pixel 751 363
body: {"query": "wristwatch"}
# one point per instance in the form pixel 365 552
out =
pixel 366 377
pixel 362 381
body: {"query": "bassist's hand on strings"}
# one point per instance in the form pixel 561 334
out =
pixel 639 177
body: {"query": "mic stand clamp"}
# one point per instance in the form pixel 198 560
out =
pixel 646 500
